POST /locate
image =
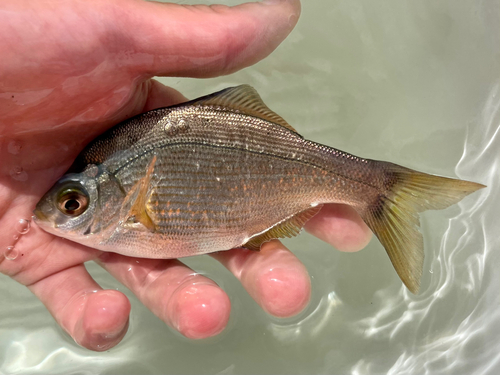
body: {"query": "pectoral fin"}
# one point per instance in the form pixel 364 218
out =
pixel 288 228
pixel 136 217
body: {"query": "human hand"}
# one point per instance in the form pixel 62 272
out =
pixel 69 71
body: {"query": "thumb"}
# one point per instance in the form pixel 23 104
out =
pixel 205 41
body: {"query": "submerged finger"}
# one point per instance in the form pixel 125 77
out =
pixel 96 319
pixel 340 226
pixel 273 276
pixel 189 302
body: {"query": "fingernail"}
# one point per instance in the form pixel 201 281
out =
pixel 201 311
pixel 106 340
pixel 115 334
pixel 100 326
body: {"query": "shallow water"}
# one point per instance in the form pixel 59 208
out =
pixel 415 83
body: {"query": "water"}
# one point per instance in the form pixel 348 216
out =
pixel 11 253
pixel 23 226
pixel 19 174
pixel 416 83
pixel 14 147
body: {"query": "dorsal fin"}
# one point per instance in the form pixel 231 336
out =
pixel 287 228
pixel 244 99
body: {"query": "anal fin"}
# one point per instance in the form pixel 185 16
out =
pixel 289 227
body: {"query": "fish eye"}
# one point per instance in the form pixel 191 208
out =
pixel 73 201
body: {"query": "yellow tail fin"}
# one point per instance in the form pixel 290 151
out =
pixel 395 221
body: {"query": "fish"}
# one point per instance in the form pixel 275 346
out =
pixel 224 171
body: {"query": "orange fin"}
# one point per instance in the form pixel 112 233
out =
pixel 287 228
pixel 137 216
pixel 243 99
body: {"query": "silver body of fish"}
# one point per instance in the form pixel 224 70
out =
pixel 224 171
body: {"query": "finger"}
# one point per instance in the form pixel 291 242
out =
pixel 42 254
pixel 273 276
pixel 190 303
pixel 205 41
pixel 162 96
pixel 340 226
pixel 96 319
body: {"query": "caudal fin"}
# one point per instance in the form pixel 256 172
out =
pixel 395 221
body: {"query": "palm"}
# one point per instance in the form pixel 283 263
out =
pixel 39 155
pixel 48 123
pixel 88 72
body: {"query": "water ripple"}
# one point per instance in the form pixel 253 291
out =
pixel 452 319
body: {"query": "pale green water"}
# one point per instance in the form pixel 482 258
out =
pixel 410 82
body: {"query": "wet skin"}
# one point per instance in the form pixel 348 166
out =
pixel 71 70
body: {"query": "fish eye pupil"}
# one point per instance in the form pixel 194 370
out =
pixel 71 205
pixel 73 202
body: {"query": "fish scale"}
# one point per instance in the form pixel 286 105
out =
pixel 231 195
pixel 224 171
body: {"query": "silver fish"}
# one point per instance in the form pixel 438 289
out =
pixel 224 171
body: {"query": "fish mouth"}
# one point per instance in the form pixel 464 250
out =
pixel 44 211
pixel 43 221
pixel 39 216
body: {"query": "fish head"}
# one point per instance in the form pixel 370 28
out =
pixel 72 209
